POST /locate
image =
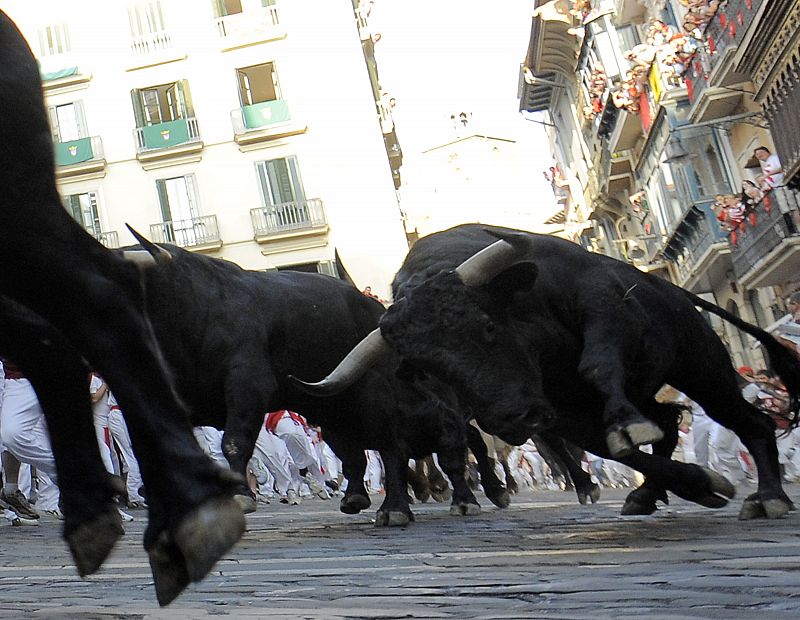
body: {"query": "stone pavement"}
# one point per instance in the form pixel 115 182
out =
pixel 545 557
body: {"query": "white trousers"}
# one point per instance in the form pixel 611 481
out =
pixel 119 432
pixel 300 448
pixel 23 431
pixel 273 454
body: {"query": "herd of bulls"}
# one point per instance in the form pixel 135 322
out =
pixel 523 333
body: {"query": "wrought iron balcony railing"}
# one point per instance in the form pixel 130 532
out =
pixel 288 217
pixel 194 232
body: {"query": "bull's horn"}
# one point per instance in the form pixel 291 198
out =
pixel 483 266
pixel 157 253
pixel 363 356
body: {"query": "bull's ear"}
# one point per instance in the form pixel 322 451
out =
pixel 518 278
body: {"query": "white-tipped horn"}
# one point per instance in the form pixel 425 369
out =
pixel 364 355
pixel 486 264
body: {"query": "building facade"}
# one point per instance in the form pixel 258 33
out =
pixel 660 108
pixel 251 130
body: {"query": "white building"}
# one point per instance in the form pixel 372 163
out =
pixel 246 129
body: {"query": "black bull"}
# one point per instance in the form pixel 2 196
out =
pixel 231 338
pixel 537 333
pixel 78 300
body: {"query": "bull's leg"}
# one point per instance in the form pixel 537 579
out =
pixel 193 519
pixel 492 487
pixel 419 481
pixel 245 398
pixel 642 500
pixel 354 466
pixel 603 365
pixel 584 487
pixel 394 510
pixel 757 432
pixel 91 521
pixel 691 482
pixel 440 489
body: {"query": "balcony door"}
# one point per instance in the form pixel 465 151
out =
pixel 258 83
pixel 67 122
pixel 282 192
pixel 177 198
pixel 160 104
pixel 83 209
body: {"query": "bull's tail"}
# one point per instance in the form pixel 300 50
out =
pixel 783 360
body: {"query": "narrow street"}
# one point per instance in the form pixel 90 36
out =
pixel 545 557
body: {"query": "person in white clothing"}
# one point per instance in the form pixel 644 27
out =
pixel 100 408
pixel 210 441
pixel 292 428
pixel 272 453
pixel 122 439
pixel 23 433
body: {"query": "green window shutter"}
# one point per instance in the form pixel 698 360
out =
pixel 299 194
pixel 138 107
pixel 163 200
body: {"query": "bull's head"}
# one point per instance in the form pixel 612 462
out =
pixel 455 324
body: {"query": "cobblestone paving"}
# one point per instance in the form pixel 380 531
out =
pixel 545 557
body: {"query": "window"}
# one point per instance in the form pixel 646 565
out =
pixel 83 208
pixel 177 198
pixel 54 40
pixel 160 104
pixel 280 181
pixel 145 19
pixel 67 122
pixel 258 83
pixel 223 8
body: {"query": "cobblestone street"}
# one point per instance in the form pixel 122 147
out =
pixel 545 557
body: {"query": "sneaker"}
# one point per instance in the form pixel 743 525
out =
pixel 55 513
pixel 125 516
pixel 19 503
pixel 19 522
pixel 316 488
pixel 292 498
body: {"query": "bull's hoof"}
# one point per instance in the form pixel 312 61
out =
pixel 590 493
pixel 444 495
pixel 511 486
pixel 756 508
pixel 169 570
pixel 721 490
pixel 465 509
pixel 91 542
pixel 636 507
pixel 393 518
pixel 246 503
pixel 500 498
pixel 208 533
pixel 353 504
pixel 624 440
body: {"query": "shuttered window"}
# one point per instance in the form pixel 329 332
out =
pixel 83 208
pixel 68 121
pixel 280 181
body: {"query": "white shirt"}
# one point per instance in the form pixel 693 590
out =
pixel 769 166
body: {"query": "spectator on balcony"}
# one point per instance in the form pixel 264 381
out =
pixel 770 166
pixel 751 194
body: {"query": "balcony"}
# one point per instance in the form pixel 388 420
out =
pixel 172 139
pixel 781 111
pixel 698 250
pixel 289 220
pixel 261 122
pixel 153 48
pixel 709 101
pixel 250 27
pixel 62 71
pixel 723 35
pixel 198 233
pixel 768 253
pixel 80 157
pixel 110 239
